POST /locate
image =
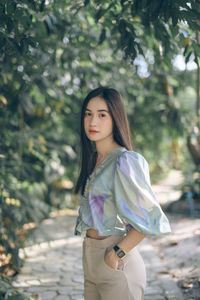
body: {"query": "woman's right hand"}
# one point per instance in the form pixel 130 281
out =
pixel 111 259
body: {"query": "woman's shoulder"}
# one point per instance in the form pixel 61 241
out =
pixel 131 155
pixel 131 162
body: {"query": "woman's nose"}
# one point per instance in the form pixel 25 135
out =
pixel 93 120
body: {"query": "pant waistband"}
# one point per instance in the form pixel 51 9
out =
pixel 104 242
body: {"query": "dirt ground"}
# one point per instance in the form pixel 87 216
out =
pixel 180 252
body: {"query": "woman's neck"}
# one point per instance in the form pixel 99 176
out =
pixel 103 150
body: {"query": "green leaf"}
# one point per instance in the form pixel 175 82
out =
pixel 155 9
pixel 9 23
pixel 18 297
pixel 2 41
pixel 86 2
pixel 197 60
pixel 196 48
pixel 189 15
pixel 146 20
pixel 174 19
pixel 174 31
pixel 122 26
pixel 11 7
pixel 193 25
pixel 32 4
pixel 140 49
pixel 99 14
pixel 32 42
pixel 188 57
pixel 102 36
pixel 186 49
pixel 4 286
pixel 136 6
pixel 48 24
pixel 23 46
pixel 166 11
pixel 130 27
pixel 42 5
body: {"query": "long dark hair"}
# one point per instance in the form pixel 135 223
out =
pixel 121 131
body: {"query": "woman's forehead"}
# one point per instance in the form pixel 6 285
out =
pixel 97 103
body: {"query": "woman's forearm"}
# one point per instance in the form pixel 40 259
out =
pixel 131 240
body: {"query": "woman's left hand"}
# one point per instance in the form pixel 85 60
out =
pixel 111 259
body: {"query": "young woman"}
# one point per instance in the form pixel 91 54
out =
pixel 117 205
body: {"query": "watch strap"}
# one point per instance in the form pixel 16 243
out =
pixel 116 248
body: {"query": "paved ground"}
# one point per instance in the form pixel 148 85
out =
pixel 53 268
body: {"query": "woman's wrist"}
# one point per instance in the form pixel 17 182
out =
pixel 113 253
pixel 111 259
pixel 119 252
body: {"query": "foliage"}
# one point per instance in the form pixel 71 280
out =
pixel 191 181
pixel 35 132
pixel 162 26
pixel 7 292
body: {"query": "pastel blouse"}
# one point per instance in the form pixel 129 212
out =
pixel 118 196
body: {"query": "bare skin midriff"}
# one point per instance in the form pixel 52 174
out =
pixel 93 234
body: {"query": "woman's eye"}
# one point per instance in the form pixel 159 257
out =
pixel 89 114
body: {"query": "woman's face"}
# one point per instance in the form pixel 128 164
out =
pixel 98 122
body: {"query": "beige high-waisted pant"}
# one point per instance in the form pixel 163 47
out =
pixel 102 282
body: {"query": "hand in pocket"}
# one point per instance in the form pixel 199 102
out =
pixel 111 259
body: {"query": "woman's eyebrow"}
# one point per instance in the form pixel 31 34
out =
pixel 98 110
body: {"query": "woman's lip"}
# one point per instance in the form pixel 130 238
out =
pixel 93 131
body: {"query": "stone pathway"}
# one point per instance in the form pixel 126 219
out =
pixel 168 189
pixel 53 267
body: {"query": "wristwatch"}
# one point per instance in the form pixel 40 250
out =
pixel 120 253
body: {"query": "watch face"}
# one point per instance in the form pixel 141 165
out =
pixel 121 254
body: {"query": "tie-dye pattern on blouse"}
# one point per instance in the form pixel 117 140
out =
pixel 118 196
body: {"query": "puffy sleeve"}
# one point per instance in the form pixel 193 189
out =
pixel 135 201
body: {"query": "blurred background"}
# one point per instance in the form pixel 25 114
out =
pixel 52 53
